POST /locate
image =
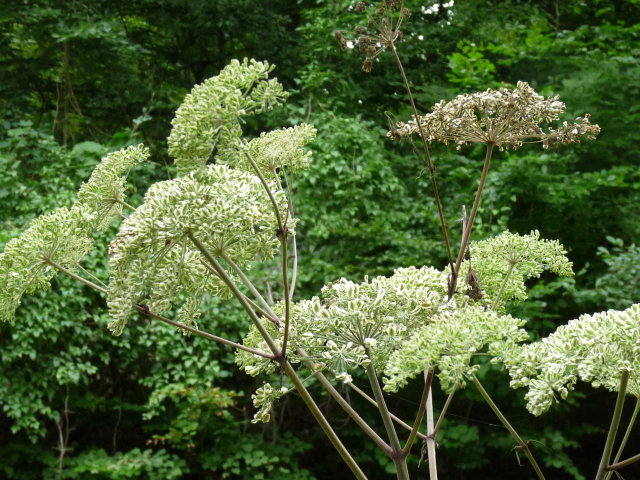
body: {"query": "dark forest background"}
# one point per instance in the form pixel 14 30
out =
pixel 81 78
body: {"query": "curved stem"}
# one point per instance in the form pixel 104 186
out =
pixel 395 418
pixel 630 426
pixel 521 443
pixel 472 218
pixel 421 409
pixel 397 454
pixel 144 310
pixel 263 180
pixel 288 369
pixel 249 285
pixel 613 428
pixel 427 157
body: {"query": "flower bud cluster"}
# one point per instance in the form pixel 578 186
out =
pixel 103 193
pixel 594 348
pixel 505 262
pixel 65 235
pixel 228 210
pixel 448 344
pixel 210 115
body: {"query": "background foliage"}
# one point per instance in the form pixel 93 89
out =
pixel 79 79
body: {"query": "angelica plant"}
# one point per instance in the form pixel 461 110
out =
pixel 231 206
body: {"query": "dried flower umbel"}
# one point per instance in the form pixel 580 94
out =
pixel 381 33
pixel 506 118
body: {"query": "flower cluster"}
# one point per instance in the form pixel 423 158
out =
pixel 503 263
pixel 274 151
pixel 63 237
pixel 449 342
pixel 594 348
pixel 152 258
pixel 103 193
pixel 356 324
pixel 263 400
pixel 506 118
pixel 210 115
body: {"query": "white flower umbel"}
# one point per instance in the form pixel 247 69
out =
pixel 61 238
pixel 506 118
pixel 103 193
pixel 226 209
pixel 448 344
pixel 210 115
pixel 503 263
pixel 356 323
pixel 273 151
pixel 594 348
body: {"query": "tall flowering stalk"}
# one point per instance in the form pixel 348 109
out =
pixel 199 234
pixel 504 118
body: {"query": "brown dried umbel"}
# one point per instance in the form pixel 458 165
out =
pixel 381 33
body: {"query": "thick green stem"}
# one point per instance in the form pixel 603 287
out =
pixel 472 217
pixel 624 463
pixel 421 409
pixel 627 434
pixel 397 454
pixel 395 418
pixel 287 299
pixel 613 428
pixel 324 424
pixel 349 410
pixel 427 157
pixel 288 369
pixel 521 443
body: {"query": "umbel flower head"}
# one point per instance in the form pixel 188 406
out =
pixel 210 115
pixel 594 348
pixel 64 236
pixel 152 257
pixel 506 118
pixel 505 262
pixel 103 193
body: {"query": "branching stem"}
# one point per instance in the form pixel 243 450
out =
pixel 397 454
pixel 421 409
pixel 287 368
pixel 148 313
pixel 395 418
pixel 630 426
pixel 613 428
pixel 472 217
pixel 521 443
